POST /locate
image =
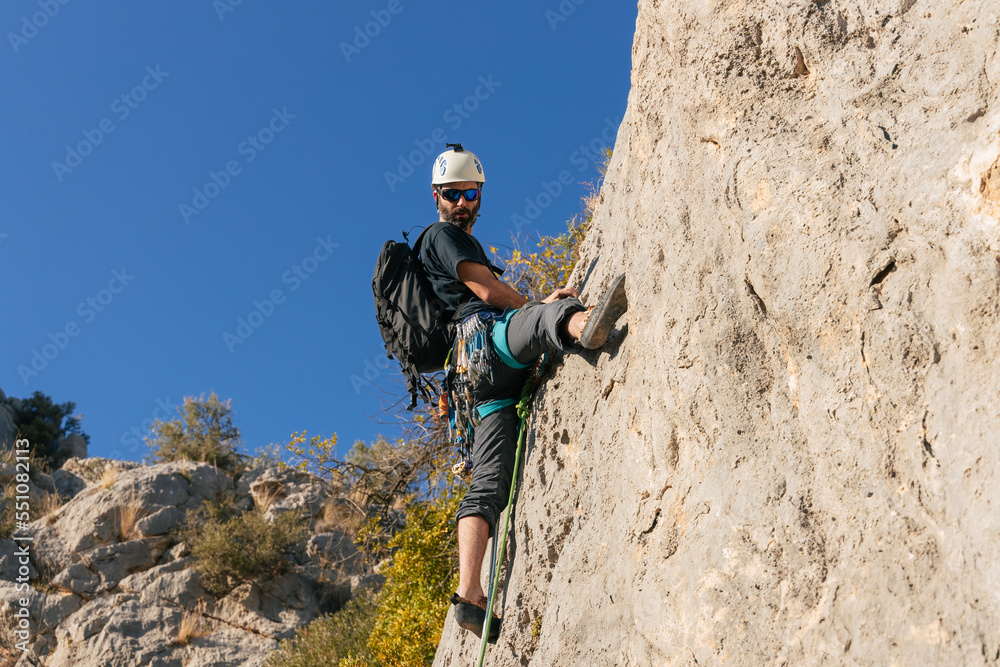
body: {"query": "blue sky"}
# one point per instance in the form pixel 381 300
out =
pixel 194 194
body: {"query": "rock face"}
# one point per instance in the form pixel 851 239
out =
pixel 788 454
pixel 113 586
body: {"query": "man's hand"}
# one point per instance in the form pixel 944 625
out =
pixel 561 293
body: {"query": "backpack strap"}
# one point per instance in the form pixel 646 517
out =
pixel 420 239
pixel 418 385
pixel 457 316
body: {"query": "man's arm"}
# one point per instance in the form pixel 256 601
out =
pixel 480 279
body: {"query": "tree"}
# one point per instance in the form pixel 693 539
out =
pixel 203 431
pixel 43 423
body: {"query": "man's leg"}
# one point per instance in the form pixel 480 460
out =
pixel 539 327
pixel 565 324
pixel 573 325
pixel 493 453
pixel 473 534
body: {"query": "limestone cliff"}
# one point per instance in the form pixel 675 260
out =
pixel 788 453
pixel 112 585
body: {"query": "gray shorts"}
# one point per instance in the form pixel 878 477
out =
pixel 532 331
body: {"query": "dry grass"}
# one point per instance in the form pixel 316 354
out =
pixel 193 625
pixel 7 456
pixel 108 477
pixel 129 515
pixel 339 516
pixel 265 497
pixel 48 506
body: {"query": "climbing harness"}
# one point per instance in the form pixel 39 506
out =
pixel 523 412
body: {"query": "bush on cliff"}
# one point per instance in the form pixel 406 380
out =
pixel 203 431
pixel 334 640
pixel 232 549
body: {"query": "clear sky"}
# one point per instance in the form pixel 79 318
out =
pixel 193 195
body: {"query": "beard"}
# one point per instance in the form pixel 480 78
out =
pixel 462 218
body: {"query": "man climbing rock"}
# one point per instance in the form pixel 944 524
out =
pixel 499 335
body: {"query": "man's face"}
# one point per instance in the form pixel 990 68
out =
pixel 461 213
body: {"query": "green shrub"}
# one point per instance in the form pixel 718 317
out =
pixel 336 639
pixel 231 550
pixel 352 661
pixel 203 431
pixel 401 625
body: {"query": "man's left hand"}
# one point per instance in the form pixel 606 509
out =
pixel 561 293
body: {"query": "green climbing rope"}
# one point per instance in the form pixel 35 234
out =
pixel 523 412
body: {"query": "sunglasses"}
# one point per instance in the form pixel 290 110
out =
pixel 472 194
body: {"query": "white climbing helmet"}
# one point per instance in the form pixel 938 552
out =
pixel 457 164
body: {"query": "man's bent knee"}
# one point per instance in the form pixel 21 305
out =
pixel 488 512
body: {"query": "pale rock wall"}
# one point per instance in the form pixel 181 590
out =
pixel 788 453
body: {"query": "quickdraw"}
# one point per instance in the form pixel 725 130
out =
pixel 470 362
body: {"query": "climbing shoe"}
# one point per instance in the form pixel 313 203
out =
pixel 471 616
pixel 601 319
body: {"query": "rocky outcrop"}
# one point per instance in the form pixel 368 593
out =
pixel 788 455
pixel 8 423
pixel 71 446
pixel 112 585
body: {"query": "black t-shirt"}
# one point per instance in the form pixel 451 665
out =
pixel 443 247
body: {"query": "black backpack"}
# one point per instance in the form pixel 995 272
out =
pixel 415 324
